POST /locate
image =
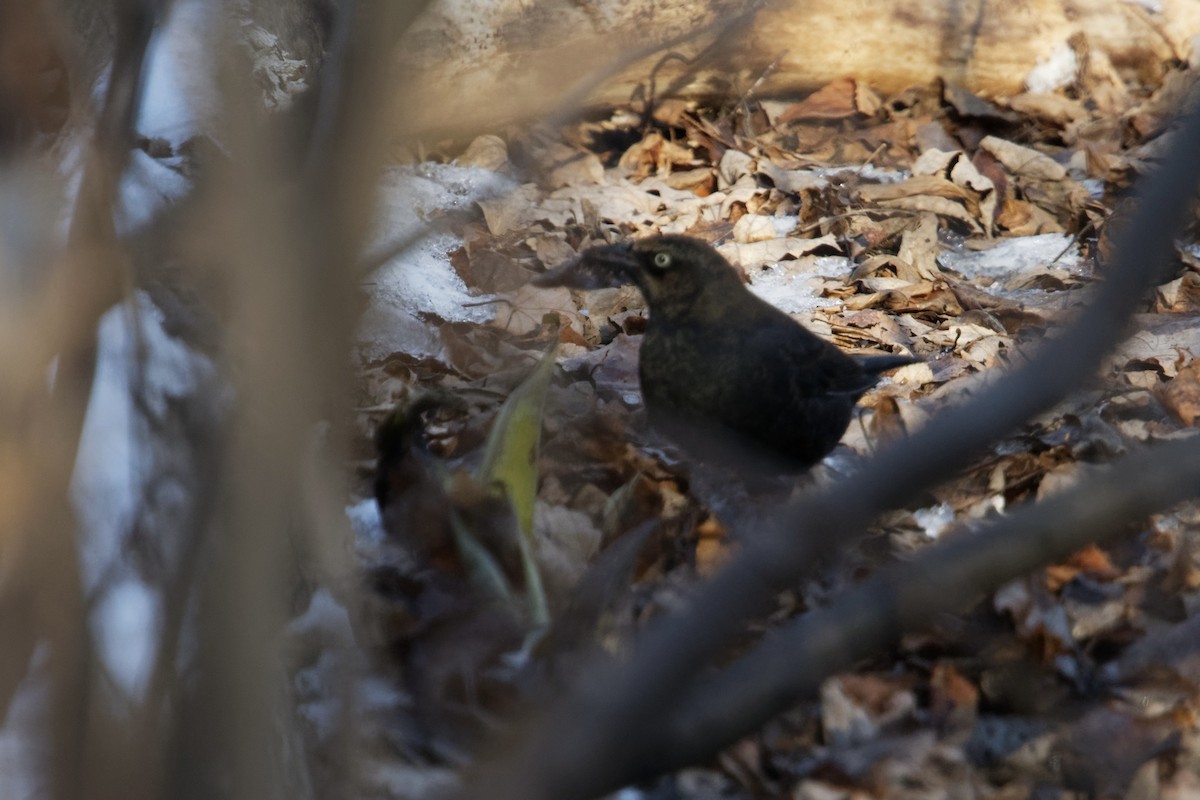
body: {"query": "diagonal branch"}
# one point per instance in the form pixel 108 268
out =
pixel 949 576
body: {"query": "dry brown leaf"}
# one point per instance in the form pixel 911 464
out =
pixel 955 166
pixel 712 546
pixel 734 166
pixel 837 99
pixel 1099 79
pixel 565 542
pixel 1054 108
pixel 700 182
pixel 1090 560
pixel 919 247
pixel 887 423
pixel 928 193
pixel 1038 619
pixel 655 155
pixel 933 185
pixel 1179 296
pixel 524 311
pixel 953 700
pixel 509 210
pixel 488 270
pixel 486 152
pixel 855 708
pixel 1094 561
pixel 1159 341
pixel 875 326
pixel 1025 219
pixel 551 249
pixel 1181 394
pixel 755 254
pixel 1023 161
pixel 754 228
pixel 793 181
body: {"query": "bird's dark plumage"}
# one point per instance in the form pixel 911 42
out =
pixel 722 371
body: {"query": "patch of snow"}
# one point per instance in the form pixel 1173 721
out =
pixel 421 281
pixel 125 625
pixel 380 694
pixel 1013 259
pixel 112 468
pixel 318 702
pixel 122 482
pixel 395 779
pixel 1095 187
pixel 1053 71
pixel 795 286
pixel 148 186
pixel 365 521
pixel 408 195
pixel 179 96
pixel 936 520
pixel 784 224
pixel 629 793
pixel 325 619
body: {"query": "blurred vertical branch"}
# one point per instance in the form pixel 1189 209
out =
pixel 56 335
pixel 290 222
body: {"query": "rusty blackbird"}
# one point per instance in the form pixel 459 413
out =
pixel 725 374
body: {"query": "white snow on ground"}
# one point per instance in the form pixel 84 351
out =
pixel 116 463
pixel 1014 259
pixel 795 286
pixel 326 628
pixel 179 96
pixel 935 520
pixel 421 281
pixel 114 472
pixel 365 521
pixel 112 465
pixel 148 186
pixel 179 101
pixel 126 624
pixel 1053 70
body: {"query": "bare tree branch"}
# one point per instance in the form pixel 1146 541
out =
pixel 88 279
pixel 791 664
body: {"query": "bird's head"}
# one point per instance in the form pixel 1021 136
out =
pixel 667 269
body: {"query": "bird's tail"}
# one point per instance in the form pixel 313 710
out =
pixel 874 365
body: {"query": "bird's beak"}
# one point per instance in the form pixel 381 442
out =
pixel 606 266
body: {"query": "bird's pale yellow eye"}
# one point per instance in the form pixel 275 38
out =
pixel 662 260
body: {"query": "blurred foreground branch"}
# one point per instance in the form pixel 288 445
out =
pixel 791 664
pixel 42 590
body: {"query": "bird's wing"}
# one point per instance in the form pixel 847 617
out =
pixel 788 357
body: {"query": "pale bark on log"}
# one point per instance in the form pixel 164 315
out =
pixel 480 65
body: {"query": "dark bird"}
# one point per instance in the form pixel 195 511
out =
pixel 723 372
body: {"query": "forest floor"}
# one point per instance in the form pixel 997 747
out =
pixel 933 223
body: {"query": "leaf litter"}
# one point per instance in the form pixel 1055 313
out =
pixel 932 222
